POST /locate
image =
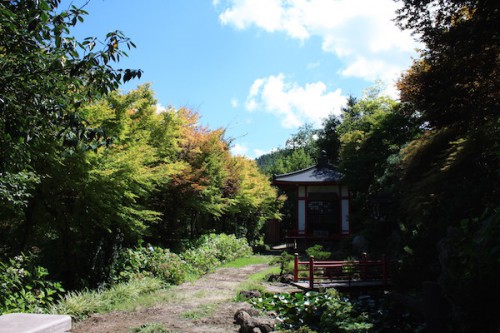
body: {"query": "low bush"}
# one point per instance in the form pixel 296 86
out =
pixel 318 252
pixel 23 286
pixel 324 312
pixel 285 262
pixel 149 262
pixel 135 273
pixel 212 250
pixel 208 252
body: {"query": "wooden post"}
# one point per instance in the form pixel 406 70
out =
pixel 296 268
pixel 311 272
pixel 365 264
pixel 384 269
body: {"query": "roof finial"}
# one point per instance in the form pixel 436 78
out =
pixel 323 159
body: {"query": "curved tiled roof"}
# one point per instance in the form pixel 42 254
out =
pixel 320 173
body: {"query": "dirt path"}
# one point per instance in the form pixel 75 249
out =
pixel 205 305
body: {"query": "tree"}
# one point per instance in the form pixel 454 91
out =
pixel 328 138
pixel 448 177
pixel 46 76
pixel 455 82
pixel 305 139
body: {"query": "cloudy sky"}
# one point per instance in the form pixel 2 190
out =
pixel 259 68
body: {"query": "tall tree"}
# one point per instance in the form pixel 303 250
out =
pixel 455 82
pixel 46 76
pixel 449 176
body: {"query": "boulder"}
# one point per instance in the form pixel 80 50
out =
pixel 249 324
pixel 250 294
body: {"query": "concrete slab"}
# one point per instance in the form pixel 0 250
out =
pixel 34 323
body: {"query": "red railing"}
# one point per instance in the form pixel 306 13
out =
pixel 340 271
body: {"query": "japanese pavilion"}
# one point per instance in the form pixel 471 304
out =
pixel 322 202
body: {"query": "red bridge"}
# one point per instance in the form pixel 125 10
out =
pixel 342 275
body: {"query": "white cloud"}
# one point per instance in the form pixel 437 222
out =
pixel 259 152
pixel 371 69
pixel 235 103
pixel 239 149
pixel 160 108
pixel 350 29
pixel 292 103
pixel 313 65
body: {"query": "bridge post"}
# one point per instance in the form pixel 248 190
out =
pixel 364 263
pixel 384 269
pixel 311 272
pixel 296 268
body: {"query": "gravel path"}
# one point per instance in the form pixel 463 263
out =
pixel 205 305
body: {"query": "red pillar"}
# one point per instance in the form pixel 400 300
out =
pixel 296 268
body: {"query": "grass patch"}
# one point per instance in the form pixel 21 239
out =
pixel 202 311
pixel 122 296
pixel 145 292
pixel 255 282
pixel 246 261
pixel 262 275
pixel 150 328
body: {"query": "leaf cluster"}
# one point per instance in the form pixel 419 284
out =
pixel 24 286
pixel 324 312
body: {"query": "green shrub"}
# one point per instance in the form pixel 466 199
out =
pixel 23 286
pixel 325 312
pixel 318 252
pixel 210 251
pixel 150 262
pixel 284 261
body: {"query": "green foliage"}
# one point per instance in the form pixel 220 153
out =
pixel 46 76
pixel 328 137
pixel 318 252
pixel 160 175
pixel 81 304
pixel 149 262
pixel 302 329
pixel 284 260
pixel 208 253
pixel 245 261
pixel 150 328
pixel 325 312
pixel 466 257
pixel 212 250
pixel 452 83
pixel 285 161
pixel 24 286
pixel 202 311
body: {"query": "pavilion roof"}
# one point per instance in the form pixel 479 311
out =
pixel 320 174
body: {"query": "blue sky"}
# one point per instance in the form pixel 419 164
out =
pixel 259 68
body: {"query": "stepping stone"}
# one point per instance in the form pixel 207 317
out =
pixel 34 323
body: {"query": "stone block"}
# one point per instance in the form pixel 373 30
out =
pixel 34 323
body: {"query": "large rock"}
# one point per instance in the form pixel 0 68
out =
pixel 248 294
pixel 249 324
pixel 34 323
